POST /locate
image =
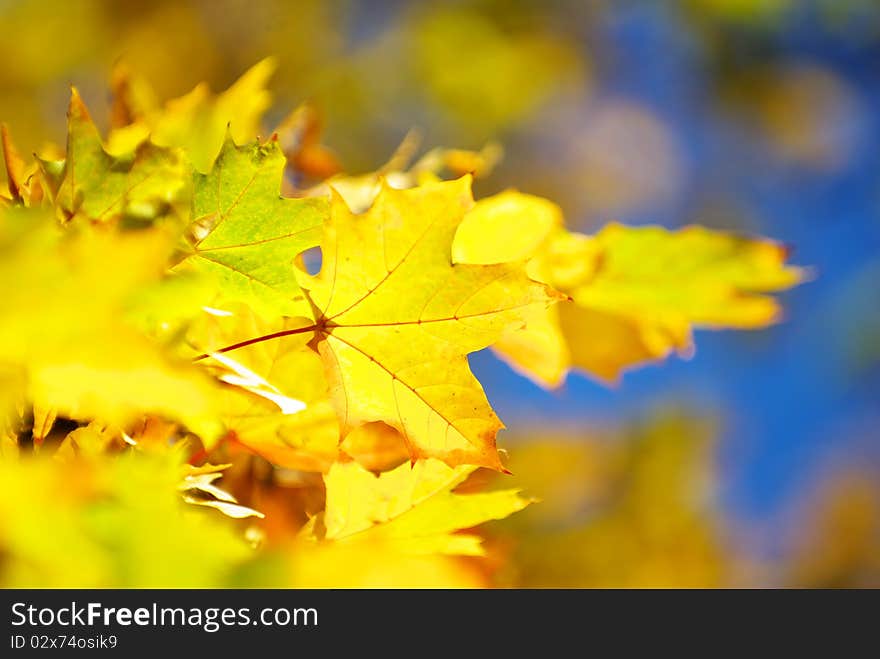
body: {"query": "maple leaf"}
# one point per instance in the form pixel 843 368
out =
pixel 142 184
pixel 276 403
pixel 109 519
pixel 22 179
pixel 395 320
pixel 199 121
pixel 648 287
pixel 513 226
pixel 63 322
pixel 247 235
pixel 636 292
pixel 524 220
pixel 346 373
pixel 413 507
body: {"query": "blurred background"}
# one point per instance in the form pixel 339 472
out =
pixel 757 461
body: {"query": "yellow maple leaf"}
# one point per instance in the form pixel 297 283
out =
pixel 647 287
pixel 399 529
pixel 63 322
pixel 509 226
pixel 513 226
pixel 196 122
pixel 395 320
pixel 636 292
pixel 22 178
pixel 413 506
pixel 276 403
pixel 98 521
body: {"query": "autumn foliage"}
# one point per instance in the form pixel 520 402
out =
pixel 225 362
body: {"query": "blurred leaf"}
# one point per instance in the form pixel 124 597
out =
pixel 839 542
pixel 663 283
pixel 636 509
pixel 374 564
pixel 64 323
pixel 636 292
pixel 199 489
pixel 359 192
pixel 299 136
pixel 199 121
pixel 508 74
pixel 108 519
pixel 524 220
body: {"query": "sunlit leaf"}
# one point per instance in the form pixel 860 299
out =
pixel 141 185
pixel 413 506
pixel 246 235
pixel 396 319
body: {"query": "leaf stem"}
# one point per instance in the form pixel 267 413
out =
pixel 260 339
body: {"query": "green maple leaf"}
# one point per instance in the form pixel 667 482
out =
pixel 247 234
pixel 142 185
